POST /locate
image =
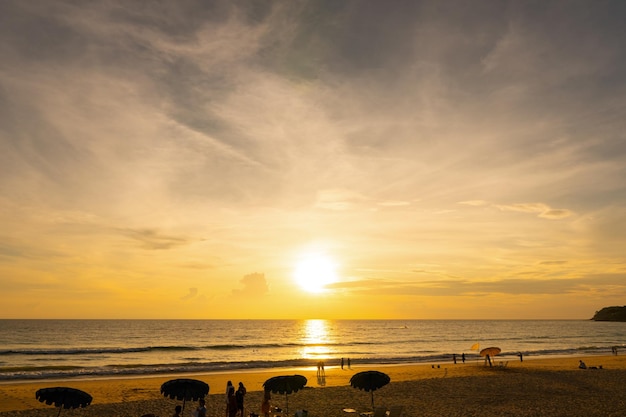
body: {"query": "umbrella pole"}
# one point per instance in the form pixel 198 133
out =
pixel 287 404
pixel 60 408
pixel 183 410
pixel 372 392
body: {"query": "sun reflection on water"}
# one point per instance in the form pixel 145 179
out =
pixel 316 340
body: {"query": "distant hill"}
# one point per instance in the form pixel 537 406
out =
pixel 610 314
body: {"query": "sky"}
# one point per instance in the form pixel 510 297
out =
pixel 441 159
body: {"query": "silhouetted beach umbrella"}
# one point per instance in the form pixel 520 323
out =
pixel 285 384
pixel 64 397
pixel 369 381
pixel 185 389
pixel 490 352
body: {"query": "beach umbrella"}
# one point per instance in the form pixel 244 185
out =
pixel 285 384
pixel 369 381
pixel 185 389
pixel 64 397
pixel 490 352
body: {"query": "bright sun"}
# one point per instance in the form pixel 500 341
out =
pixel 314 272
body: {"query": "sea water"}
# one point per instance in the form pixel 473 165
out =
pixel 44 349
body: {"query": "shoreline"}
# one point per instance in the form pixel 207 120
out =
pixel 472 358
pixel 131 394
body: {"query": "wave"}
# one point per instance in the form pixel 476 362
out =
pixel 76 351
pixel 181 348
pixel 66 371
pixel 90 351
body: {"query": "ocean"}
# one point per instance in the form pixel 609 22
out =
pixel 50 349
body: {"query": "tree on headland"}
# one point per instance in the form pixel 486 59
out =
pixel 614 313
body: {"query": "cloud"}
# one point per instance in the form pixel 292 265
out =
pixel 153 240
pixel 544 211
pixel 556 214
pixel 396 203
pixel 605 283
pixel 339 199
pixel 475 203
pixel 525 207
pixel 193 293
pixel 15 249
pixel 197 265
pixel 344 200
pixel 254 285
pixel 553 263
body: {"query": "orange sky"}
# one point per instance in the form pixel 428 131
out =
pixel 452 160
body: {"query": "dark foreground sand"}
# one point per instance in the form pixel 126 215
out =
pixel 542 387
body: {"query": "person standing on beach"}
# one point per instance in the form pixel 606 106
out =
pixel 265 405
pixel 463 357
pixel 320 369
pixel 201 410
pixel 231 407
pixel 341 363
pixel 241 392
pixel 230 392
pixel 177 410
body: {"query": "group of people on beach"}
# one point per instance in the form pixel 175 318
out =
pixel 234 402
pixel 234 399
pixel 454 358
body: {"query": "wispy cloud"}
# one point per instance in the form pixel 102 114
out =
pixel 512 286
pixel 339 199
pixel 195 139
pixel 542 210
pixel 154 240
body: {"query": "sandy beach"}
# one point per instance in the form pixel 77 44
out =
pixel 535 387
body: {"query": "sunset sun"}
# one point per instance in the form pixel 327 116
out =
pixel 314 272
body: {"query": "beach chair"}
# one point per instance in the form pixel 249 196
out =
pixel 395 410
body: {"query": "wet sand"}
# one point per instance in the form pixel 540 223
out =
pixel 535 387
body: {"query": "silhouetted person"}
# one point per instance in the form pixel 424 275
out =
pixel 230 395
pixel 320 369
pixel 201 410
pixel 239 394
pixel 265 404
pixel 463 357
